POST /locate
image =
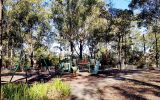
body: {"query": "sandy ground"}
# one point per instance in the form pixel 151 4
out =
pixel 111 85
pixel 142 85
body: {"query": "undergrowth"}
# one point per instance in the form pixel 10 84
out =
pixel 37 91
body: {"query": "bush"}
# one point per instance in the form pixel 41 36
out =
pixel 62 88
pixel 39 91
pixel 15 92
pixel 36 91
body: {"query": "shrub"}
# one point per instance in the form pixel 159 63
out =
pixel 61 87
pixel 36 91
pixel 15 92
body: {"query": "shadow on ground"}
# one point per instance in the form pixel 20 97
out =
pixel 121 87
pixel 111 84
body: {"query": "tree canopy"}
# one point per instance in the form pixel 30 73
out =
pixel 33 26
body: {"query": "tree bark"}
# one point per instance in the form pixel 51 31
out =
pixel 71 45
pixel 11 56
pixel 81 50
pixel 7 51
pixel 144 47
pixel 125 52
pixel 31 55
pixel 91 52
pixel 119 52
pixel 1 31
pixel 156 50
pixel 11 51
pixel 122 51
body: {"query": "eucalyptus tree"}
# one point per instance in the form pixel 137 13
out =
pixel 26 22
pixel 36 25
pixel 76 19
pixel 15 24
pixel 126 39
pixel 11 36
pixel 121 23
pixel 149 16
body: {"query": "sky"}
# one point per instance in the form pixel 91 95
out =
pixel 119 4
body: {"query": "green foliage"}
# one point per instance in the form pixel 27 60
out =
pixel 62 88
pixel 15 92
pixel 26 21
pixel 108 59
pixel 27 26
pixel 76 20
pixel 54 59
pixel 37 91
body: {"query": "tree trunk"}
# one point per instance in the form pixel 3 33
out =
pixel 22 51
pixel 31 55
pixel 60 53
pixel 7 51
pixel 11 52
pixel 11 56
pixel 91 52
pixel 122 52
pixel 119 52
pixel 156 50
pixel 81 50
pixel 1 31
pixel 71 45
pixel 125 52
pixel 144 49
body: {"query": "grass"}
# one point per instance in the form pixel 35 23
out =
pixel 15 91
pixel 62 88
pixel 37 91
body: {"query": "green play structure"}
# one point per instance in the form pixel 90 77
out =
pixel 67 65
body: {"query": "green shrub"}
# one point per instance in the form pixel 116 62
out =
pixel 15 92
pixel 39 91
pixel 36 91
pixel 62 88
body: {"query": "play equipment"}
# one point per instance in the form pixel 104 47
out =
pixel 68 65
pixel 92 64
pixel 82 64
pixel 74 70
pixel 46 64
pixel 95 69
pixel 65 65
pixel 17 67
pixel 26 68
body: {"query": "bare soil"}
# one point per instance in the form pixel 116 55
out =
pixel 113 85
pixel 109 85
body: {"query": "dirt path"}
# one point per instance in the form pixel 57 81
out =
pixel 143 85
pixel 112 85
